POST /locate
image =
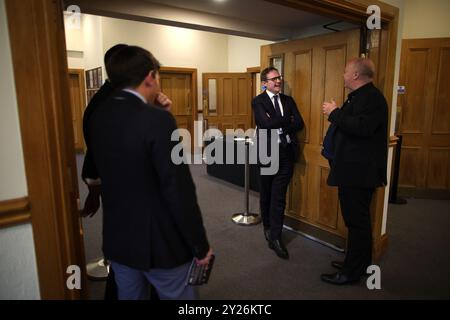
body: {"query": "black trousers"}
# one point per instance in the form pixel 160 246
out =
pixel 272 196
pixel 355 205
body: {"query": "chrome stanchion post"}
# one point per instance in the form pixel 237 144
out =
pixel 246 218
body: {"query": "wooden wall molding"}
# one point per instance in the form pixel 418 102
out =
pixel 14 212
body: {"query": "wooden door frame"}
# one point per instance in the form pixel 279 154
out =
pixel 42 88
pixel 41 78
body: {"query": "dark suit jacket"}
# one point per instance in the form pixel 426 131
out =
pixel 360 140
pixel 106 90
pixel 151 215
pixel 291 122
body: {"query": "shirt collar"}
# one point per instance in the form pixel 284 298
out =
pixel 271 94
pixel 360 89
pixel 137 94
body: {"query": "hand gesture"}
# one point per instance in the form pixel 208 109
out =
pixel 329 107
pixel 163 101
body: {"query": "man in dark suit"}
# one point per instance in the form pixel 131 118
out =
pixel 89 172
pixel 356 147
pixel 277 115
pixel 152 223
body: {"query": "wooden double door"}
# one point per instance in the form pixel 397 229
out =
pixel 227 100
pixel 313 70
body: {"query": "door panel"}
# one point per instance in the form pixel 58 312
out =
pixel 425 114
pixel 178 84
pixel 313 69
pixel 227 100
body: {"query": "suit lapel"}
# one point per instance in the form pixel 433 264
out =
pixel 268 105
pixel 286 110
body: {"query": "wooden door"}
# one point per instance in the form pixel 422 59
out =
pixel 425 114
pixel 180 85
pixel 227 100
pixel 312 70
pixel 77 105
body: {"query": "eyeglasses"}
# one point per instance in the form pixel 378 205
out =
pixel 275 78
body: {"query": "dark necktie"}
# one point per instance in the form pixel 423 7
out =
pixel 282 135
pixel 277 105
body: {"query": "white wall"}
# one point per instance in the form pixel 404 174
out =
pixel 426 19
pixel 74 42
pixel 172 46
pixel 84 42
pixel 244 53
pixel 92 42
pixel 18 273
pixel 12 168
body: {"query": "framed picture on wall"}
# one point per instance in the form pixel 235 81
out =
pixel 94 81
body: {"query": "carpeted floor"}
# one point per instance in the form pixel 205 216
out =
pixel 415 266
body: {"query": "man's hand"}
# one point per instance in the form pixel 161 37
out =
pixel 163 101
pixel 92 203
pixel 206 259
pixel 329 107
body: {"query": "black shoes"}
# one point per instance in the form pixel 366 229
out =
pixel 338 278
pixel 337 264
pixel 279 248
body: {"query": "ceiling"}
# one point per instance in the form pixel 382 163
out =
pixel 256 11
pixel 249 18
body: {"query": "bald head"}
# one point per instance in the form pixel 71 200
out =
pixel 364 66
pixel 358 72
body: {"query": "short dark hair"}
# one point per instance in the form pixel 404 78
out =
pixel 110 53
pixel 129 66
pixel 266 71
pixel 113 50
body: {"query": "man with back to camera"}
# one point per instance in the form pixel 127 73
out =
pixel 89 172
pixel 152 223
pixel 356 147
pixel 275 110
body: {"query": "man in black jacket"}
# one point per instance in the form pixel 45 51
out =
pixel 89 172
pixel 277 112
pixel 356 147
pixel 152 223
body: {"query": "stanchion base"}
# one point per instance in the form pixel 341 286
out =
pixel 246 219
pixel 97 270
